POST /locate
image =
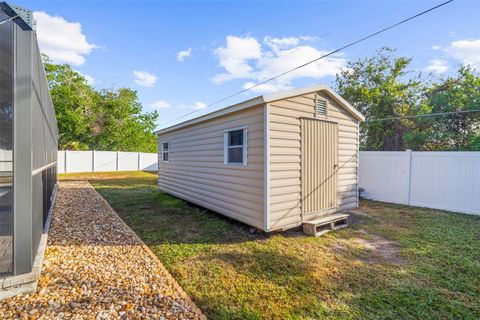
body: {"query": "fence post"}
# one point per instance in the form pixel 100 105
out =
pixel 66 161
pixel 93 160
pixel 138 162
pixel 409 155
pixel 358 165
pixel 118 159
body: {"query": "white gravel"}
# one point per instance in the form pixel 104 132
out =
pixel 95 267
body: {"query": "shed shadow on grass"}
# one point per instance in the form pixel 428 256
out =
pixel 161 218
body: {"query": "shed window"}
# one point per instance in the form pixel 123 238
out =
pixel 165 151
pixel 235 146
pixel 321 107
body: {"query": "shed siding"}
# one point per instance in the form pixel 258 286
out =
pixel 285 157
pixel 196 171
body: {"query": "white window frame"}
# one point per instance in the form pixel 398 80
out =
pixel 244 146
pixel 167 152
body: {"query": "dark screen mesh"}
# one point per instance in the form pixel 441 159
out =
pixel 6 147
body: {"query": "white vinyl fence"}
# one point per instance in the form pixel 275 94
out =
pixel 6 160
pixel 95 161
pixel 440 180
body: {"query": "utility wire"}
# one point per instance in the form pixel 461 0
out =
pixel 316 59
pixel 425 115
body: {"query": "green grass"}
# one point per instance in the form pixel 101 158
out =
pixel 433 271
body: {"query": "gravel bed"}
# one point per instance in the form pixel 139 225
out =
pixel 96 267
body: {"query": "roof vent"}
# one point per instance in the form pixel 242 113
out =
pixel 321 107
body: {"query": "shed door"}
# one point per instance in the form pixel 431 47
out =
pixel 319 165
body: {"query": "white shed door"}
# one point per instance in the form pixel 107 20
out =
pixel 319 165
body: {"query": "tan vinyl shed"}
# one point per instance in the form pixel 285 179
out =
pixel 271 162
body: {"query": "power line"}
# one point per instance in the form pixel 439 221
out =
pixel 326 34
pixel 316 59
pixel 425 115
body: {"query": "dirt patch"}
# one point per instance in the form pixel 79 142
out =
pixel 361 213
pixel 382 248
pixel 371 248
pixel 358 217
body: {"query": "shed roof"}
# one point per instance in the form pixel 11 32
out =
pixel 265 99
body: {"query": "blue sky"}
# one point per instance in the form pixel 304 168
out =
pixel 228 46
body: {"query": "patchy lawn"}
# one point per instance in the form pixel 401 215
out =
pixel 393 262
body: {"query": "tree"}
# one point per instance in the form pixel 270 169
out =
pixel 75 105
pixel 458 93
pixel 109 119
pixel 121 125
pixel 381 87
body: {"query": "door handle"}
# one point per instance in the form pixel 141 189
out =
pixel 335 166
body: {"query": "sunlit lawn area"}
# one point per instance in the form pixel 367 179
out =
pixel 394 262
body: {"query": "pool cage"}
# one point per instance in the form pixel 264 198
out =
pixel 28 143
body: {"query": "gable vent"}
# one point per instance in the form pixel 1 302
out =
pixel 321 107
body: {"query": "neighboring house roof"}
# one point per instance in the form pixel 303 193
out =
pixel 266 99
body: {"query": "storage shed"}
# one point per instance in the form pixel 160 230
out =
pixel 272 162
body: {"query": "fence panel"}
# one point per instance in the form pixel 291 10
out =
pixel 448 181
pixel 148 161
pixel 78 161
pixel 384 176
pixel 6 160
pixel 61 162
pixel 127 161
pixel 95 161
pixel 440 180
pixel 105 161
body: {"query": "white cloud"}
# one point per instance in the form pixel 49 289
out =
pixel 437 66
pixel 195 106
pixel 435 48
pixel 235 57
pixel 281 43
pixel 290 58
pixel 246 58
pixel 90 80
pixel 182 55
pixel 144 79
pixel 198 106
pixel 160 104
pixel 61 40
pixel 467 51
pixel 265 87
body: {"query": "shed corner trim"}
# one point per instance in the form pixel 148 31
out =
pixel 266 167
